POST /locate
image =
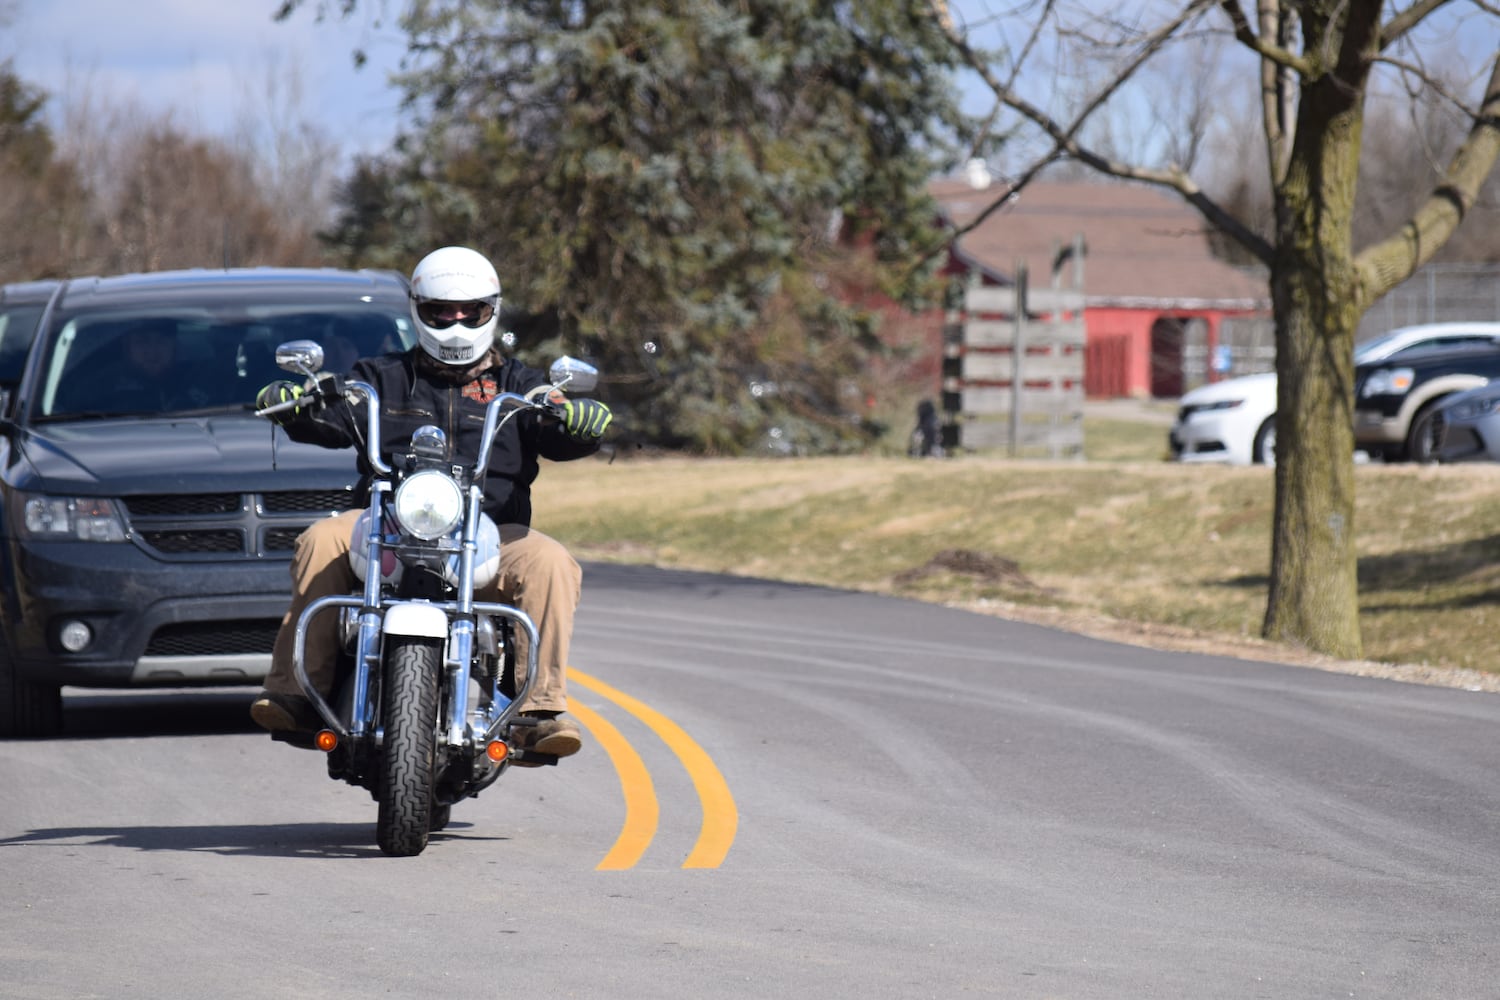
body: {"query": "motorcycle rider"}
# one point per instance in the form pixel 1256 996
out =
pixel 447 380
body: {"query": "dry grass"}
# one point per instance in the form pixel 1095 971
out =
pixel 1110 546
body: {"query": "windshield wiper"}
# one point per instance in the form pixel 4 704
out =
pixel 208 411
pixel 52 418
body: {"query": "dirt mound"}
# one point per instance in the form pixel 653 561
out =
pixel 980 565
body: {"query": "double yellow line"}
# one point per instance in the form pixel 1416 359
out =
pixel 720 817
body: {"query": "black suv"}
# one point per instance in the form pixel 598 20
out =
pixel 1395 399
pixel 147 517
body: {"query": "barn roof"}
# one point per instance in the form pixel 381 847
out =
pixel 1143 247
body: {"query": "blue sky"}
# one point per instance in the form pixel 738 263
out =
pixel 209 64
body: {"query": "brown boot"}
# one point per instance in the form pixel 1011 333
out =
pixel 283 713
pixel 554 735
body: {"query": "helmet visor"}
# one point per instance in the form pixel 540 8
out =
pixel 443 313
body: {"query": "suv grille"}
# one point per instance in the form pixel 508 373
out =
pixel 216 525
pixel 280 539
pixel 189 505
pixel 310 502
pixel 194 541
pixel 214 638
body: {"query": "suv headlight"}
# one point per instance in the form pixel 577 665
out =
pixel 429 504
pixel 1388 382
pixel 83 519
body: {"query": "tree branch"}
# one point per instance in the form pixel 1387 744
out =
pixel 1257 43
pixel 1277 108
pixel 940 7
pixel 1064 138
pixel 1404 21
pixel 1386 264
pixel 1428 81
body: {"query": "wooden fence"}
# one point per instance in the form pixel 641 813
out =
pixel 1013 369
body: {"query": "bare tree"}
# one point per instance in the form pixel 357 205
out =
pixel 294 160
pixel 181 201
pixel 1313 63
pixel 125 189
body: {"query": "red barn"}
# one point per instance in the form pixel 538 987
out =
pixel 1155 296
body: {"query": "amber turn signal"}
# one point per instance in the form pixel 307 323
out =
pixel 326 740
pixel 497 751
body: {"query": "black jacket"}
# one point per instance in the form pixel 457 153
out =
pixel 411 395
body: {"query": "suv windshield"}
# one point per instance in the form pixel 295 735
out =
pixel 177 361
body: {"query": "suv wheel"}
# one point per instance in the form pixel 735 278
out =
pixel 1421 439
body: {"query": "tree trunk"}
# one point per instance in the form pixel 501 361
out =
pixel 1317 298
pixel 1313 598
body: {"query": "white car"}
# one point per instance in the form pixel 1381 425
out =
pixel 1234 421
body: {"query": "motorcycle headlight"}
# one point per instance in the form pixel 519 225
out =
pixel 82 519
pixel 429 504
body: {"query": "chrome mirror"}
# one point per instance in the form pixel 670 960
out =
pixel 305 357
pixel 577 376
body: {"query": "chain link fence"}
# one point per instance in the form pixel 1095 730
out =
pixel 1439 293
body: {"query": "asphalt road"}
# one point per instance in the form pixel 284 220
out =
pixel 792 792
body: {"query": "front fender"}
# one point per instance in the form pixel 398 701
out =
pixel 416 618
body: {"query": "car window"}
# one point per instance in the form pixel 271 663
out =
pixel 1448 341
pixel 99 364
pixel 17 330
pixel 1380 348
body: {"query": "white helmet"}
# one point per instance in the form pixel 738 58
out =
pixel 455 299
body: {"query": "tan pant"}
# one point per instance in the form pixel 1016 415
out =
pixel 536 575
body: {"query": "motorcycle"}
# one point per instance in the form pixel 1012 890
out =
pixel 427 697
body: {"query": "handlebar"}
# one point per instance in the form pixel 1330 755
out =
pixel 290 404
pixel 311 391
pixel 350 390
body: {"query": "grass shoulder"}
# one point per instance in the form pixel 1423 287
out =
pixel 1143 551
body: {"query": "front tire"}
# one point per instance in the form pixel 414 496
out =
pixel 1263 451
pixel 1421 446
pixel 27 709
pixel 409 716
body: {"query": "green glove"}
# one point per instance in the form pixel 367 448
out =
pixel 586 419
pixel 280 391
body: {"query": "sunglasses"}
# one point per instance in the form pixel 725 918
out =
pixel 441 313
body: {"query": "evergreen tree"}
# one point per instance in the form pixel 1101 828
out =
pixel 25 140
pixel 371 209
pixel 664 187
pixel 31 184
